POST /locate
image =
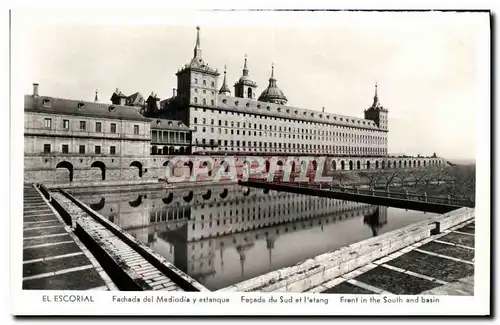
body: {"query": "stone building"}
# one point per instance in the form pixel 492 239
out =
pixel 242 124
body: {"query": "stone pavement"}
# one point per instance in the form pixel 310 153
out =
pixel 53 257
pixel 440 265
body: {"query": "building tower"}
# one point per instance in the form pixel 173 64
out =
pixel 245 87
pixel 272 93
pixel 377 112
pixel 224 90
pixel 118 98
pixel 197 81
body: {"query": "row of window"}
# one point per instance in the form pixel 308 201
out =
pixel 83 126
pixel 204 82
pixel 280 145
pixel 204 101
pixel 275 118
pixel 344 136
pixel 274 127
pixel 47 148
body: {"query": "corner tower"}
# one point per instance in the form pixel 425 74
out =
pixel 272 94
pixel 197 81
pixel 377 112
pixel 245 87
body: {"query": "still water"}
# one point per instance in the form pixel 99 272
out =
pixel 223 235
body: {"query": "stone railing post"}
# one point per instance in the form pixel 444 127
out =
pixel 373 191
pixel 425 196
pixel 406 194
pixel 449 199
pixel 357 189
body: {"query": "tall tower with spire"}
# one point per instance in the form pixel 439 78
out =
pixel 197 81
pixel 245 87
pixel 377 112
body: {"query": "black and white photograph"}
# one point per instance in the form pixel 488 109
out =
pixel 239 159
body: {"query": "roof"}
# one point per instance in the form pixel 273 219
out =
pixel 135 99
pixel 51 105
pixel 165 124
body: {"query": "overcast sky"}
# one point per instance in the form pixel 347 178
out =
pixel 426 64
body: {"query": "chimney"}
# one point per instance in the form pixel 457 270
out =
pixel 35 90
pixel 323 110
pixel 174 92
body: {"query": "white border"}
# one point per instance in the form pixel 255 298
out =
pixel 482 159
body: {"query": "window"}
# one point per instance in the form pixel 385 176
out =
pixel 83 125
pixel 46 148
pixel 212 102
pixel 196 100
pixel 204 82
pixel 65 148
pixel 213 84
pixel 112 150
pixel 48 123
pixel 113 127
pixel 97 150
pixel 195 120
pixel 195 81
pixel 81 149
pixel 204 101
pixel 136 129
pixel 98 127
pixel 66 124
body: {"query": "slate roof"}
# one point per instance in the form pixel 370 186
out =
pixel 165 124
pixel 80 108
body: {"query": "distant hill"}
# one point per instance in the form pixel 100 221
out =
pixel 462 161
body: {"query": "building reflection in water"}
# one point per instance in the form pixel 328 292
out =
pixel 227 234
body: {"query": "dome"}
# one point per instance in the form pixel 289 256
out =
pixel 272 93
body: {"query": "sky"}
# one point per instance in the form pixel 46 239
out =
pixel 429 66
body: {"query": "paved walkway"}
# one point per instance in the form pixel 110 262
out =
pixel 53 257
pixel 440 265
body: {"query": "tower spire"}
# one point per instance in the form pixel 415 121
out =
pixel 96 98
pixel 197 47
pixel 375 98
pixel 272 70
pixel 224 90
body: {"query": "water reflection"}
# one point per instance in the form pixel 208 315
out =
pixel 224 235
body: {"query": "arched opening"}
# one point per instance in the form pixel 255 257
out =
pixel 171 150
pixel 168 199
pixel 342 165
pixel 101 166
pixel 350 165
pixel 334 165
pixel 154 150
pixel 207 195
pixel 389 164
pixel 65 176
pixel 268 165
pixel 181 150
pixel 367 165
pixel 99 205
pixel 188 197
pixel 376 164
pixel 400 164
pixel 414 163
pixel 136 202
pixel 249 92
pixel 418 164
pixel 358 164
pixel 383 164
pixel 137 165
pixel 424 163
pixel 405 164
pixel 165 150
pixel 224 193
